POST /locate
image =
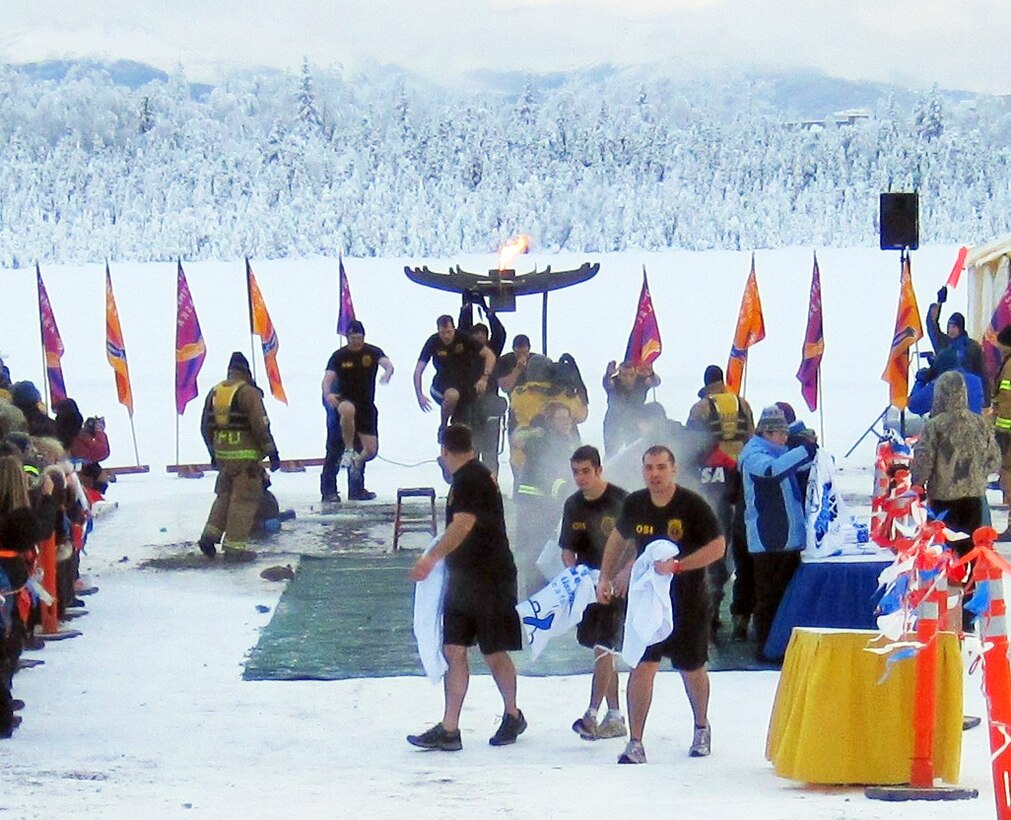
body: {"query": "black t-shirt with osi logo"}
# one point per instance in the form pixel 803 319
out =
pixel 356 372
pixel 687 520
pixel 587 524
pixel 455 363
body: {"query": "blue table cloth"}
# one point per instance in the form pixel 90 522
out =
pixel 840 594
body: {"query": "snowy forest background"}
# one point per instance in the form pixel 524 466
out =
pixel 121 161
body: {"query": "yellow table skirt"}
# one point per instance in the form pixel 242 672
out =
pixel 832 722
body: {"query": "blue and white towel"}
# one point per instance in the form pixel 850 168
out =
pixel 557 607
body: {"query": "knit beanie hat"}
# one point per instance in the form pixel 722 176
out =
pixel 958 320
pixel 788 412
pixel 240 363
pixel 25 394
pixel 356 327
pixel 772 420
pixel 712 375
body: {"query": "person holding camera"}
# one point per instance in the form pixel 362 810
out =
pixel 236 431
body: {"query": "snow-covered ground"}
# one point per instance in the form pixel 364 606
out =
pixel 147 714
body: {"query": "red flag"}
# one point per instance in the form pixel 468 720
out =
pixel 260 325
pixel 750 330
pixel 346 311
pixel 956 271
pixel 908 331
pixel 814 344
pixel 115 348
pixel 190 348
pixel 992 354
pixel 644 344
pixel 52 344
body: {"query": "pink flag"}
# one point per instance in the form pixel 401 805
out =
pixel 190 348
pixel 52 344
pixel 346 311
pixel 644 344
pixel 814 344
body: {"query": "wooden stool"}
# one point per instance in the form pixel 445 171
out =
pixel 414 523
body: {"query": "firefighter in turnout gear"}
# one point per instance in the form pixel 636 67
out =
pixel 728 420
pixel 237 433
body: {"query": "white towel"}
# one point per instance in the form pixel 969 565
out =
pixel 428 602
pixel 649 617
pixel 557 607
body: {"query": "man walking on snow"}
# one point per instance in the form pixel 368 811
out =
pixel 588 519
pixel 480 597
pixel 666 510
pixel 349 395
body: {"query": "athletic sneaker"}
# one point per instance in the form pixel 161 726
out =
pixel 437 738
pixel 611 726
pixel 586 727
pixel 634 753
pixel 347 459
pixel 701 742
pixel 509 729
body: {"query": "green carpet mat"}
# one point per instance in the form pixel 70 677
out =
pixel 351 616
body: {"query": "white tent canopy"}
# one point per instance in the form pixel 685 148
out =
pixel 987 271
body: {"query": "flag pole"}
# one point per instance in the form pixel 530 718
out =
pixel 821 411
pixel 136 452
pixel 249 307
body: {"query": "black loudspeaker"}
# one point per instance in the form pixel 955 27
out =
pixel 900 222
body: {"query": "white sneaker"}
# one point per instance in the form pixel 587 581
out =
pixel 701 742
pixel 634 753
pixel 347 459
pixel 611 726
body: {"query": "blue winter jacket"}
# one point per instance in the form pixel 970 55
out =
pixel 774 505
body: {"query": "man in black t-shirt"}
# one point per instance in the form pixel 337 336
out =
pixel 666 510
pixel 588 519
pixel 349 396
pixel 480 598
pixel 455 356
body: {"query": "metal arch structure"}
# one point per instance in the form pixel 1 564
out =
pixel 501 287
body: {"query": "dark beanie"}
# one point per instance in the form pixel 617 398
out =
pixel 240 363
pixel 356 327
pixel 958 320
pixel 1004 337
pixel 25 394
pixel 712 375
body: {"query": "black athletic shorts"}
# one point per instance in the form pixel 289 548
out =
pixel 688 645
pixel 482 614
pixel 602 625
pixel 366 417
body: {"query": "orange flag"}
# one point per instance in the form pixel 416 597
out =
pixel 260 325
pixel 115 348
pixel 908 331
pixel 750 329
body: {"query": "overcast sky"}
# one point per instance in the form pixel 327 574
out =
pixel 956 43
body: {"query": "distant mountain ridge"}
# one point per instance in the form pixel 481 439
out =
pixel 793 95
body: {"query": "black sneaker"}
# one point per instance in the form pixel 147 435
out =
pixel 509 729
pixel 437 738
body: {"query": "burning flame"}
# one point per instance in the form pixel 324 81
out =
pixel 513 248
